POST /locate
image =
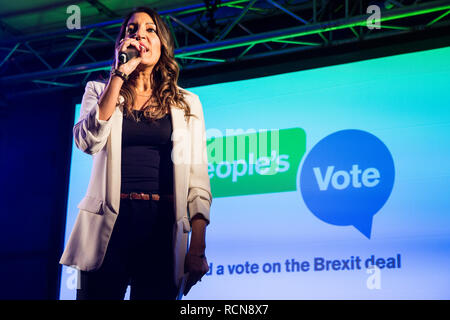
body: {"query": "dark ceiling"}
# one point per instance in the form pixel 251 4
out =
pixel 38 51
pixel 37 16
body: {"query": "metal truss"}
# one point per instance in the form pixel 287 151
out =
pixel 213 33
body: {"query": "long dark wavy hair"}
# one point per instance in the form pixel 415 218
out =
pixel 164 77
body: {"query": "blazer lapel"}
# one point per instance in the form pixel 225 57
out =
pixel 180 170
pixel 114 160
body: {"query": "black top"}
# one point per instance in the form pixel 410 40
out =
pixel 146 155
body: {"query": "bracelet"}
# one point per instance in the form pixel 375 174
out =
pixel 120 74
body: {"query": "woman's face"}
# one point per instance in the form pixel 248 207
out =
pixel 142 26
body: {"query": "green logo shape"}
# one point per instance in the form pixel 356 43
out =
pixel 255 162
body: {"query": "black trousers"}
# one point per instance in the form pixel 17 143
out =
pixel 139 254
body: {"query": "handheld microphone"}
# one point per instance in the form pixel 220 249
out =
pixel 130 53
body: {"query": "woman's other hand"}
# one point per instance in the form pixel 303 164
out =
pixel 197 266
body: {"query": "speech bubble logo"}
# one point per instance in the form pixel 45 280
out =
pixel 347 178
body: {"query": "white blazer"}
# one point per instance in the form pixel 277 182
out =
pixel 99 208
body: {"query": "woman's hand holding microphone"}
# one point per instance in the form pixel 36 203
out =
pixel 108 99
pixel 128 67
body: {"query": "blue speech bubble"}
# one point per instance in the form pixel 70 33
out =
pixel 347 178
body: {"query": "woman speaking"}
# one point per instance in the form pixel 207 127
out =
pixel 149 184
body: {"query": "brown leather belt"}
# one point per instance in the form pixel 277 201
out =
pixel 146 196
